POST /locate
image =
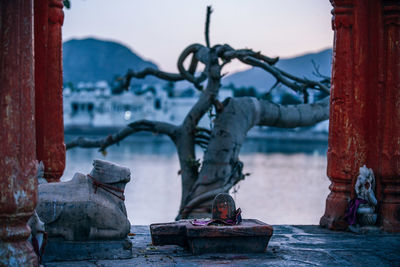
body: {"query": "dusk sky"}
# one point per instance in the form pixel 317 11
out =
pixel 159 30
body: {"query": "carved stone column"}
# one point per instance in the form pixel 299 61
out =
pixel 365 107
pixel 346 145
pixel 18 184
pixel 49 18
pixel 389 169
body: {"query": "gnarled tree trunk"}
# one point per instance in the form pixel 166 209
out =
pixel 221 168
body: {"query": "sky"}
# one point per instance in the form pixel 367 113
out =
pixel 158 30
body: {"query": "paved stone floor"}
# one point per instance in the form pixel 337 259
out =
pixel 307 245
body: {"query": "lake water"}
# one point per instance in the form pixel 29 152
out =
pixel 287 185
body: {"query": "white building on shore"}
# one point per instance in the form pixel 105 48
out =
pixel 92 105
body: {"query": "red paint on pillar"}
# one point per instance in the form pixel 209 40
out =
pixel 344 144
pixel 49 18
pixel 18 163
pixel 365 107
pixel 389 168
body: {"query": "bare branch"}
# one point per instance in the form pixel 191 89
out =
pixel 257 59
pixel 301 115
pixel 207 29
pixel 285 78
pixel 202 130
pixel 156 127
pixel 189 75
pixel 208 96
pixel 229 53
pixel 174 77
pixel 126 80
pixel 317 73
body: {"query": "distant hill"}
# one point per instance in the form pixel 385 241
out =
pixel 300 66
pixel 91 60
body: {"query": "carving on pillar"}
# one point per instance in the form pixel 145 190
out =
pixel 344 150
pixel 49 106
pixel 389 168
pixel 18 195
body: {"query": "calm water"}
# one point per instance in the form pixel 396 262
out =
pixel 288 187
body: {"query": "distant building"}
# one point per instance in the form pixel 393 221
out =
pixel 92 105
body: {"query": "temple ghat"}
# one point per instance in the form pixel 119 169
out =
pixel 364 130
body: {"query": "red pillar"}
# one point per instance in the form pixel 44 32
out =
pixel 18 184
pixel 345 150
pixel 365 106
pixel 389 165
pixel 49 18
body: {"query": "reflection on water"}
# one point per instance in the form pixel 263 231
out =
pixel 283 188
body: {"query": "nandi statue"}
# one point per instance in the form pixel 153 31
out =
pixel 361 210
pixel 88 207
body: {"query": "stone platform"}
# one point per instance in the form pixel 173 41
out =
pixel 298 245
pixel 60 250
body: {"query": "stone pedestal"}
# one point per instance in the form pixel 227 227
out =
pixel 365 113
pixel 250 236
pixel 50 149
pixel 18 184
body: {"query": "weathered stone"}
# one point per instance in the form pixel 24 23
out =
pixel 38 235
pixel 299 245
pixel 18 186
pixel 89 207
pixel 364 188
pixel 169 233
pixel 57 249
pixel 225 233
pixel 251 236
pixel 223 207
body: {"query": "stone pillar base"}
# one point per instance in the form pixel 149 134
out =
pixel 336 206
pixel 391 217
pixel 17 254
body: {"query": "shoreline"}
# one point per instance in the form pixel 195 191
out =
pixel 254 134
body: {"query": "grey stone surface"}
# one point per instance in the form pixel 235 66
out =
pixel 307 245
pixel 58 249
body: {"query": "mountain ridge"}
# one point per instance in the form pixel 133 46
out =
pixel 92 59
pixel 301 66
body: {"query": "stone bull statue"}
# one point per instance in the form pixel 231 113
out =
pixel 88 207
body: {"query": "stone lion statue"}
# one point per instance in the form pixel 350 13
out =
pixel 88 207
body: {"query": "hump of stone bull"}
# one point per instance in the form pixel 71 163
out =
pixel 54 197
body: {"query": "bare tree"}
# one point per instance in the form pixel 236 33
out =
pixel 220 168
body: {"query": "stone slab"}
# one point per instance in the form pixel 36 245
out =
pixel 173 233
pixel 251 236
pixel 57 249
